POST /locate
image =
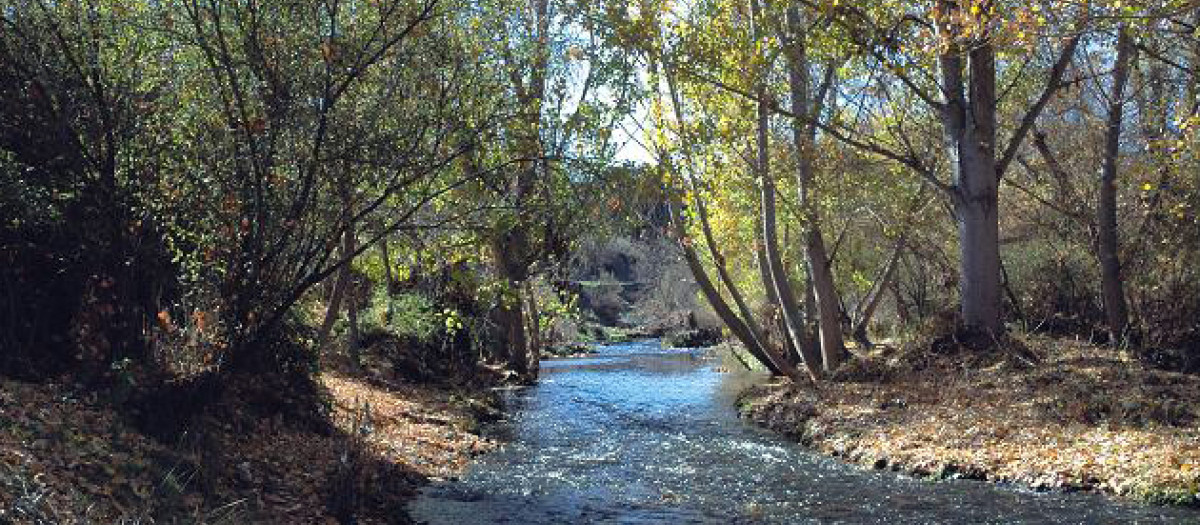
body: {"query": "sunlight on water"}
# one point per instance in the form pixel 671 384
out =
pixel 638 434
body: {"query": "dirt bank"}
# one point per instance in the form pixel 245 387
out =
pixel 67 457
pixel 1068 416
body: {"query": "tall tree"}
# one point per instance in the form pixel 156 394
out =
pixel 807 110
pixel 1115 309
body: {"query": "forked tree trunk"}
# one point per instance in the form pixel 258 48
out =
pixel 511 249
pixel 1115 309
pixel 825 295
pixel 744 329
pixel 778 281
pixel 969 124
pixel 750 327
pixel 866 311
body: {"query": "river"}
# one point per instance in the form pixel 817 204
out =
pixel 640 434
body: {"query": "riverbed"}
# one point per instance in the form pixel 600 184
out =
pixel 641 434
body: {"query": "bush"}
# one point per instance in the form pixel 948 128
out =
pixel 1057 291
pixel 409 314
pixel 1170 327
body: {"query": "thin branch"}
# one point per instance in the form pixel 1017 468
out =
pixel 1053 84
pixel 907 160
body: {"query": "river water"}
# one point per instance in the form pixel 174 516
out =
pixel 640 434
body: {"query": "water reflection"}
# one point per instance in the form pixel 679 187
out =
pixel 638 434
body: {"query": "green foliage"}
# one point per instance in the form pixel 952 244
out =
pixel 409 314
pixel 187 171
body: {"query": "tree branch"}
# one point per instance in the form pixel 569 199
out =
pixel 1053 84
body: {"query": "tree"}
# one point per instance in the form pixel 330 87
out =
pixel 86 261
pixel 1106 209
pixel 966 105
pixel 807 110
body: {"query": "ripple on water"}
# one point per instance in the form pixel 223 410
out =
pixel 637 434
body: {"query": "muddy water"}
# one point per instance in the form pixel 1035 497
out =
pixel 640 434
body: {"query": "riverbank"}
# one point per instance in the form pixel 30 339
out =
pixel 1066 415
pixel 70 457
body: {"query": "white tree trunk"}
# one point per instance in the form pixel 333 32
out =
pixel 969 123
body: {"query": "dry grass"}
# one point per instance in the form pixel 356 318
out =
pixel 1083 418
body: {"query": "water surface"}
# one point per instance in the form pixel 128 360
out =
pixel 641 434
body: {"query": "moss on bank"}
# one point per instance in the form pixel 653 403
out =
pixel 1083 418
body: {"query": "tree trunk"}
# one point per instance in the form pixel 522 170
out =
pixel 979 265
pixel 1115 309
pixel 744 329
pixel 731 320
pixel 778 282
pixel 334 307
pixel 351 298
pixel 510 319
pixel 386 258
pixel 764 273
pixel 829 324
pixel 535 331
pixel 727 281
pixel 1192 98
pixel 510 314
pixel 902 316
pixel 754 330
pixel 342 282
pixel 389 280
pixel 803 136
pixel 1191 101
pixel 511 248
pixel 863 317
pixel 969 122
pixel 1012 295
